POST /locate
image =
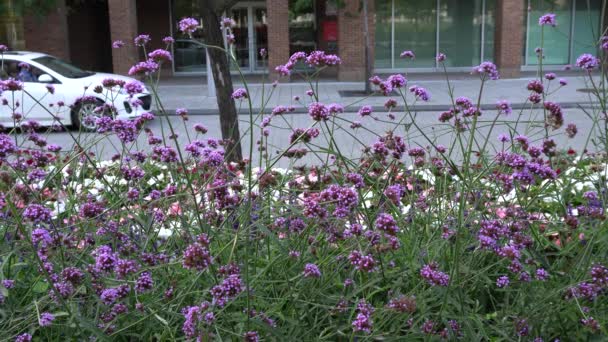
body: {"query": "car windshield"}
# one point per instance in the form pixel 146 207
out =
pixel 63 68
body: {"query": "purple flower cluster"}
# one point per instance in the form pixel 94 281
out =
pixel 314 59
pixel 160 55
pixel 230 287
pixel 433 276
pixel 311 271
pixel 197 257
pixel 547 19
pixel 588 62
pixel 188 25
pixel 363 320
pixel 420 93
pixel 239 94
pixel 365 263
pixel 487 68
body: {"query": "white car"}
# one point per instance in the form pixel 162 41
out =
pixel 40 73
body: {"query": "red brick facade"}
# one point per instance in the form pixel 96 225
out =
pixel 509 37
pixel 278 33
pixel 123 26
pixel 48 34
pixel 128 18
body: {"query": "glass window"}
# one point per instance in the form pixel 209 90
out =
pixel 416 30
pixel 586 27
pixel 412 25
pixel 302 26
pixel 489 27
pixel 383 41
pixel 556 40
pixel 460 31
pixel 61 67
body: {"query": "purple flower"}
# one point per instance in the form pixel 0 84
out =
pixel 386 223
pixel 197 257
pixel 504 106
pixel 365 111
pixel 117 44
pixel 542 274
pixel 240 93
pixel 571 130
pixel 46 319
pixel 142 39
pixel 318 111
pixel 7 146
pixel 433 276
pixel 408 54
pixel 420 93
pixel 37 213
pixel 25 337
pixel 397 81
pixel 109 296
pixel 587 61
pixel 168 40
pixel 311 271
pixel 503 138
pixel 8 283
pixel 227 23
pixel 251 336
pixel 363 320
pixel 134 87
pixel 11 84
pixel 188 25
pixel 144 68
pixel 547 19
pixel 487 68
pixel 160 56
pixel 144 282
pixel 41 236
pixel 550 76
pixel 440 57
pixel 502 281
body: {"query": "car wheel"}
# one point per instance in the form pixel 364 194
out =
pixel 84 116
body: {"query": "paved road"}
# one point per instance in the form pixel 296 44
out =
pixel 349 141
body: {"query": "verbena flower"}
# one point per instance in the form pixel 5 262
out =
pixel 311 271
pixel 547 19
pixel 188 25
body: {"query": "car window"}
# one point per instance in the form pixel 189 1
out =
pixel 18 70
pixel 62 67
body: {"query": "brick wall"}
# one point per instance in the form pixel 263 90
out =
pixel 509 37
pixel 351 43
pixel 48 34
pixel 123 26
pixel 278 33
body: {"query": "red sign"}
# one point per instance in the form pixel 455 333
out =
pixel 330 31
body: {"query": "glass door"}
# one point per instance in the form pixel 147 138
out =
pixel 260 38
pixel 251 35
pixel 241 48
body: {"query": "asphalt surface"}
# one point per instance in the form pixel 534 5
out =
pixel 350 142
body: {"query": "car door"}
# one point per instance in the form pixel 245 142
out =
pixel 39 98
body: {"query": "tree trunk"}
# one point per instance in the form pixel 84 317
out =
pixel 223 84
pixel 368 64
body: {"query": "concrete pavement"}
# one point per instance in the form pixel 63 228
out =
pixel 191 93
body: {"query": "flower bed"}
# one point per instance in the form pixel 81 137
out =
pixel 405 242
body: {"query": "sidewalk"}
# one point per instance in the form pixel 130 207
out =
pixel 191 93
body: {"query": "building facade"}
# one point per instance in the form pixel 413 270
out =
pixel 467 31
